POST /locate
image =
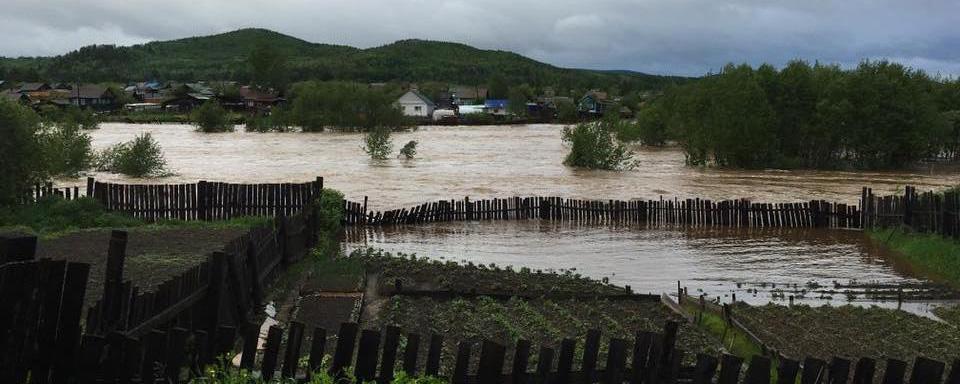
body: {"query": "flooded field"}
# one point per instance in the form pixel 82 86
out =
pixel 482 162
pixel 816 266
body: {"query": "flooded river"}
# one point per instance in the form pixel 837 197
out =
pixel 481 162
pixel 501 161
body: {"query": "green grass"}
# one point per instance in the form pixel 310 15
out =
pixel 930 255
pixel 54 217
pixel 733 340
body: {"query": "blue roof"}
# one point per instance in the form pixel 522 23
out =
pixel 495 103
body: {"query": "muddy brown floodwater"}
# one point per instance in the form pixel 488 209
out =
pixel 482 162
pixel 816 266
pixel 503 161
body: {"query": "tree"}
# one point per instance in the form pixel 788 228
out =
pixel 593 145
pixel 409 150
pixel 211 117
pixel 517 102
pixel 316 106
pixel 21 166
pixel 140 157
pixel 267 65
pixel 377 143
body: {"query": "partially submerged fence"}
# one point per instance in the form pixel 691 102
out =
pixel 204 200
pixel 686 212
pixel 41 306
pixel 928 212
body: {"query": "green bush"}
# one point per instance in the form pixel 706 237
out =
pixel 53 214
pixel 211 117
pixel 478 118
pixel 316 106
pixel 66 148
pixel 141 157
pixel 377 143
pixel 594 145
pixel 409 150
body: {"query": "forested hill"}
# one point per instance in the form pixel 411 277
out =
pixel 225 57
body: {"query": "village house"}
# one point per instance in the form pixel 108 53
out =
pixel 259 99
pixel 594 103
pixel 92 96
pixel 464 95
pixel 35 90
pixel 414 103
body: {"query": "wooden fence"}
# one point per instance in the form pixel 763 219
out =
pixel 41 191
pixel 687 212
pixel 41 304
pixel 927 212
pixel 204 200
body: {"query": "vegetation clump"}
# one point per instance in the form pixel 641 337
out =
pixel 378 144
pixel 879 115
pixel 211 117
pixel 409 150
pixel 594 145
pixel 317 106
pixel 140 157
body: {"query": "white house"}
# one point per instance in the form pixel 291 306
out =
pixel 414 103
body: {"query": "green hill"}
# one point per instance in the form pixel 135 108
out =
pixel 224 57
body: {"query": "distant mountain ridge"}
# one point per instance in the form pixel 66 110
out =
pixel 224 57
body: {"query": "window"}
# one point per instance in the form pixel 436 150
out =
pixel 417 108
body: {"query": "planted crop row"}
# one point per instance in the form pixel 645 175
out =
pixel 418 273
pixel 542 321
pixel 850 331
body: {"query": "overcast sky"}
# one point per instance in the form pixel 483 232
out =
pixel 685 37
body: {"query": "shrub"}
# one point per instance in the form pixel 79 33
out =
pixel 377 143
pixel 22 163
pixel 593 145
pixel 211 117
pixel 409 150
pixel 65 147
pixel 141 157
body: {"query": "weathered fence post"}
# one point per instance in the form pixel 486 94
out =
pixel 113 282
pixel 17 248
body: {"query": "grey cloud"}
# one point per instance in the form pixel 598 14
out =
pixel 687 37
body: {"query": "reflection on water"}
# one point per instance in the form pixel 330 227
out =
pixel 481 162
pixel 758 265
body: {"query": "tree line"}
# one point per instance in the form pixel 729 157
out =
pixel 879 115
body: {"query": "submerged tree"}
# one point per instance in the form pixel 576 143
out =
pixel 211 117
pixel 409 150
pixel 377 143
pixel 594 145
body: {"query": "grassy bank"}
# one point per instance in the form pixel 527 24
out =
pixel 54 217
pixel 929 255
pixel 733 340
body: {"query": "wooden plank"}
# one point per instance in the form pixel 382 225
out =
pixel 410 354
pixel 388 360
pixel 490 369
pixel 616 359
pixel 705 369
pixel 565 361
pixel 292 356
pixel 926 371
pixel 787 370
pixel 317 345
pixel 544 365
pixel 591 350
pixel 813 371
pixel 864 371
pixel 268 367
pixel 462 365
pixel 521 359
pixel 366 368
pixel 433 356
pixel 759 371
pixel 730 369
pixel 342 356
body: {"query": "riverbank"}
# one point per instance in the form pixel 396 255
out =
pixel 929 255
